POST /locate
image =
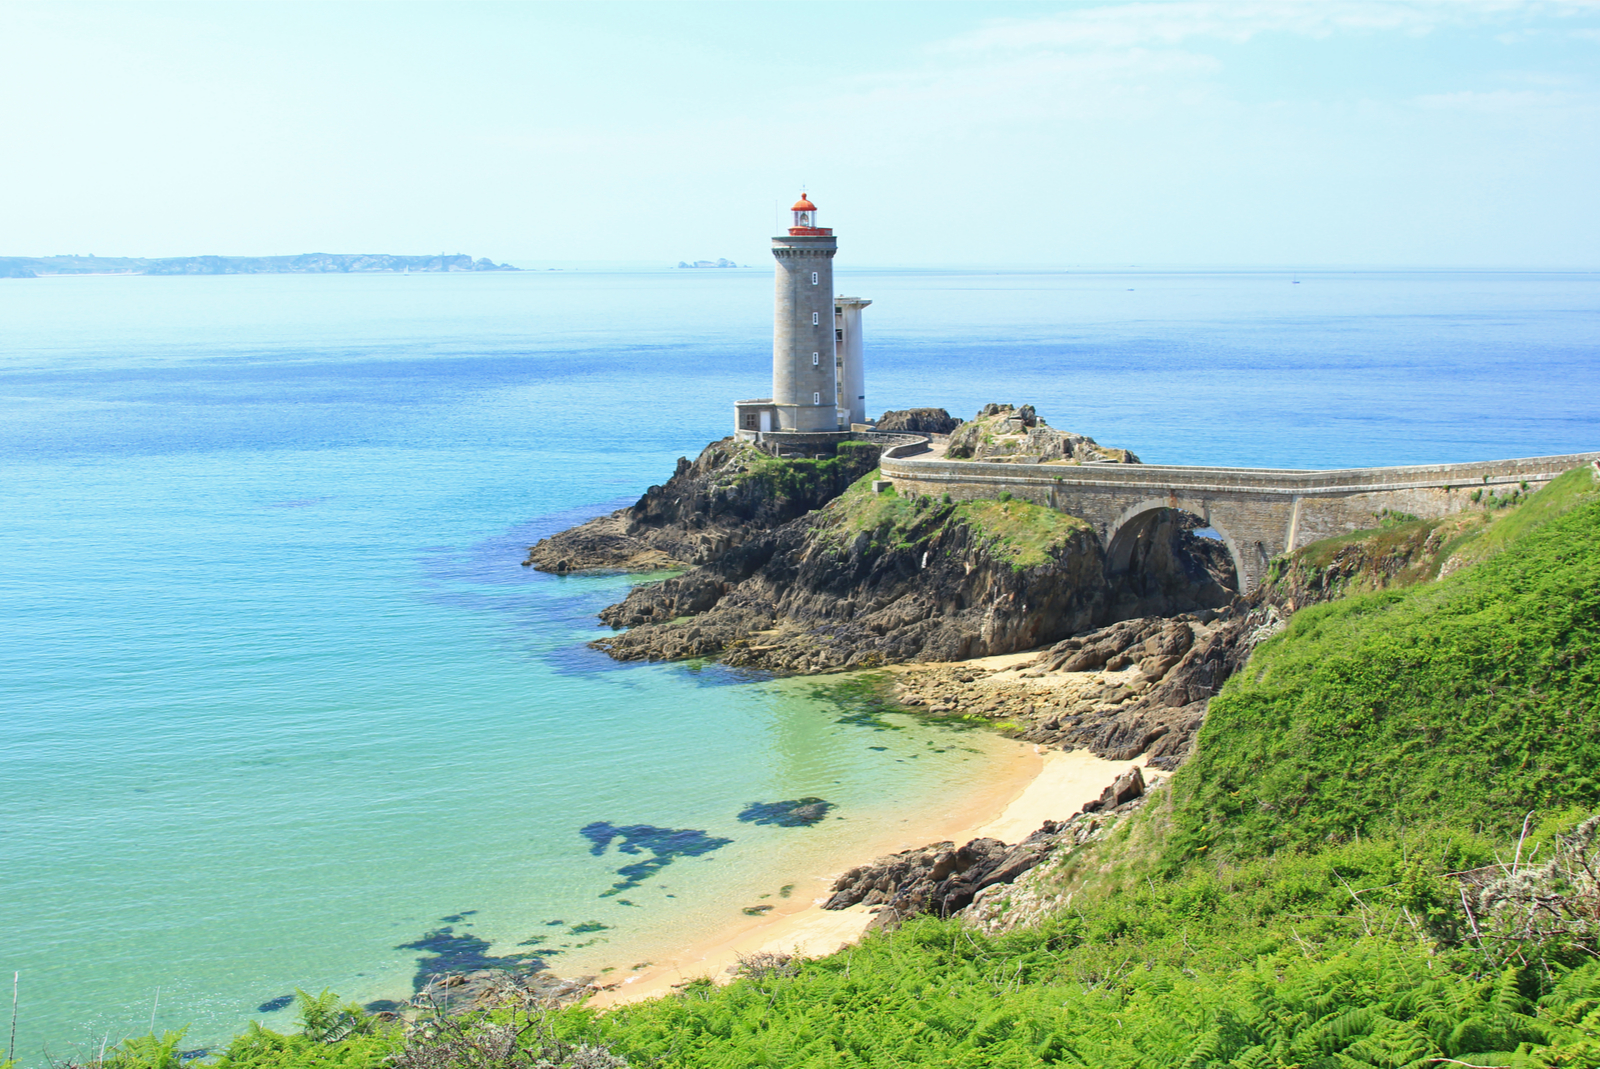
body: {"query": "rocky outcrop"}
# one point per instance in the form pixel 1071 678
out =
pixel 1038 893
pixel 918 421
pixel 942 879
pixel 1136 687
pixel 790 574
pixel 825 592
pixel 1124 789
pixel 871 578
pixel 1006 434
pixel 730 494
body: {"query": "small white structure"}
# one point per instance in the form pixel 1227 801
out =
pixel 850 356
pixel 818 356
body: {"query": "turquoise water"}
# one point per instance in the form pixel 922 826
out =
pixel 278 701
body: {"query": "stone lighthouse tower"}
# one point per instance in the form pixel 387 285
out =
pixel 805 385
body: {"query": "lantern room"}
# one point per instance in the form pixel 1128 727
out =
pixel 805 219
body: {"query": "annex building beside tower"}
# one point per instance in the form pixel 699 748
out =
pixel 818 357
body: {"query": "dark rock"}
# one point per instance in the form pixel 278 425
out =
pixel 938 879
pixel 709 508
pixel 918 421
pixel 1158 566
pixel 941 880
pixel 1163 720
pixel 1125 788
pixel 944 594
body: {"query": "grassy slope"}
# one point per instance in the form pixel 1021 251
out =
pixel 1465 702
pixel 1019 532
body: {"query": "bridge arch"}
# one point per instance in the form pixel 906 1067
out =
pixel 1123 531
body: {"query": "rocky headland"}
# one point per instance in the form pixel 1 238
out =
pixel 806 566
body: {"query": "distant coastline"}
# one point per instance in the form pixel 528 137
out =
pixel 309 263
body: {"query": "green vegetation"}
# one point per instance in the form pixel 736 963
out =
pixel 1558 498
pixel 808 479
pixel 1466 702
pixel 1378 542
pixel 1394 555
pixel 1403 550
pixel 1019 532
pixel 1297 897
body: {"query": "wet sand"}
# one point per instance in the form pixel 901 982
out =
pixel 1039 785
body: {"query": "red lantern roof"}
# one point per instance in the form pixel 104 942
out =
pixel 803 205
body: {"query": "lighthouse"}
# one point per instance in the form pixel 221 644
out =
pixel 818 379
pixel 805 384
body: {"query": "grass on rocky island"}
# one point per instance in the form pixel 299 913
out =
pixel 1018 532
pixel 806 477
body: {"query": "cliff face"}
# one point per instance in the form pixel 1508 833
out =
pixel 876 579
pixel 730 494
pixel 1403 553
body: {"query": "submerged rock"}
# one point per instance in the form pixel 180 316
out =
pixel 796 813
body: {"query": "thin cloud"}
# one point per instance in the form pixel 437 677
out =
pixel 1136 25
pixel 1509 101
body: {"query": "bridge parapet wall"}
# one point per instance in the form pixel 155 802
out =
pixel 1259 512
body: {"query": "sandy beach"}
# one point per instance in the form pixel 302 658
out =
pixel 1041 785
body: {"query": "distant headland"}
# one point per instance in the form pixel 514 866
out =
pixel 309 263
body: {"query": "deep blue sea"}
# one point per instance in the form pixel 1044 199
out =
pixel 280 708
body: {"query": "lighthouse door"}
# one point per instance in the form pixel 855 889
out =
pixel 766 419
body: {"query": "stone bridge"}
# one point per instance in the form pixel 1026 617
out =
pixel 1260 513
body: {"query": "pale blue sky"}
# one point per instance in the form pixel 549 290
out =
pixel 1279 132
